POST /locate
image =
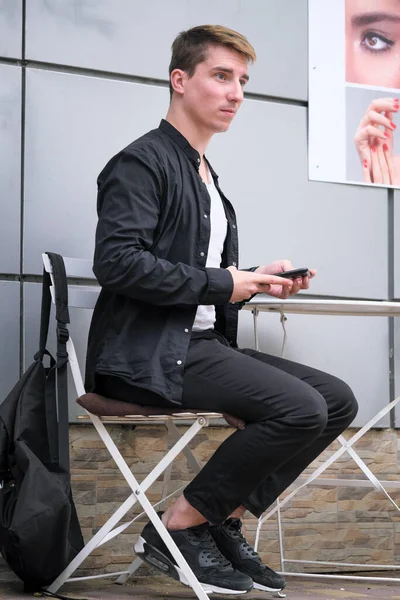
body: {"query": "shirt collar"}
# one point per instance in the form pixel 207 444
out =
pixel 182 142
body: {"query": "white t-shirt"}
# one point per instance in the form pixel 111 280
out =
pixel 205 315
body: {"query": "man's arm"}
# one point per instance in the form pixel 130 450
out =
pixel 129 208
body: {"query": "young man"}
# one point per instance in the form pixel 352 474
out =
pixel 164 328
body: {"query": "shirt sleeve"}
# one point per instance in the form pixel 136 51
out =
pixel 130 198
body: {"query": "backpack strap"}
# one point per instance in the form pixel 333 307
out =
pixel 44 315
pixel 62 318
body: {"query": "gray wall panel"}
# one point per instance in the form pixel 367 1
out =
pixel 396 258
pixel 10 167
pixel 80 321
pixel 397 367
pixel 396 244
pixel 69 138
pixel 9 334
pixel 11 28
pixel 131 36
pixel 351 348
pixel 262 163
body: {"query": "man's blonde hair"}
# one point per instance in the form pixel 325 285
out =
pixel 190 47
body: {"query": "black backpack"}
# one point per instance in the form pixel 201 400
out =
pixel 39 529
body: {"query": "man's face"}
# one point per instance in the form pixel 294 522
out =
pixel 214 94
pixel 373 42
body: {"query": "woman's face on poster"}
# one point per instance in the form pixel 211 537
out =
pixel 373 42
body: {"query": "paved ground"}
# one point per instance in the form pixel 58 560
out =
pixel 159 588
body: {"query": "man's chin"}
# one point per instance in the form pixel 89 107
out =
pixel 221 127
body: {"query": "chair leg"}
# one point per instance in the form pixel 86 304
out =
pixel 192 460
pixel 168 470
pixel 92 545
pixel 132 569
pixel 187 574
pixel 172 435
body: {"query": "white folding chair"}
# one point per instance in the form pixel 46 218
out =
pixel 85 296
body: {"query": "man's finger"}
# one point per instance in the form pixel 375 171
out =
pixel 234 421
pixel 273 280
pixel 295 287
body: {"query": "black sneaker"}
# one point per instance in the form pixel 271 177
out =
pixel 232 543
pixel 211 568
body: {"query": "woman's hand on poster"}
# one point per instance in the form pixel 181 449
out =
pixel 374 143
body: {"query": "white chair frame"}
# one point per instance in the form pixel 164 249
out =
pixel 82 296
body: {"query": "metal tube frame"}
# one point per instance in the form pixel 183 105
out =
pixel 346 446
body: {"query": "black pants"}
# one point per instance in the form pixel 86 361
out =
pixel 292 413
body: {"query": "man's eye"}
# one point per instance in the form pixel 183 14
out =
pixel 221 76
pixel 376 42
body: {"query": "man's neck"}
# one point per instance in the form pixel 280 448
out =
pixel 197 138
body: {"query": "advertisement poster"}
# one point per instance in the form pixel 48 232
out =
pixel 354 91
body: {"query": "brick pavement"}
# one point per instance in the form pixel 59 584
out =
pixel 160 588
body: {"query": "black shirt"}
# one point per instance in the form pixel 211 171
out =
pixel 151 249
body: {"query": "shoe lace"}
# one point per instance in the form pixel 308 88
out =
pixel 234 526
pixel 208 546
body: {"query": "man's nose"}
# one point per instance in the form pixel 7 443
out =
pixel 236 92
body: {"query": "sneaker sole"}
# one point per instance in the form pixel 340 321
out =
pixel 157 559
pixel 264 588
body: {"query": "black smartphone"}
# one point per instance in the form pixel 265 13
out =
pixel 294 273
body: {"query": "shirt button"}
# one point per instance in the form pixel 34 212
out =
pixel 206 216
pixel 186 330
pixel 233 226
pixel 198 160
pixel 201 253
pixel 233 264
pixel 178 362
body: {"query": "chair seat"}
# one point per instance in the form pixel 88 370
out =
pixel 108 407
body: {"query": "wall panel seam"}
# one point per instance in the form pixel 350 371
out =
pixel 391 293
pixel 22 188
pixel 115 76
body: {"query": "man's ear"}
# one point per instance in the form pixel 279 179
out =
pixel 177 79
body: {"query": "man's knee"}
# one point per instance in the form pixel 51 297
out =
pixel 345 403
pixel 309 412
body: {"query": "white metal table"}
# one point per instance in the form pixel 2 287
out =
pixel 308 306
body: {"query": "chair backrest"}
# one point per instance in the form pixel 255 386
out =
pixel 79 296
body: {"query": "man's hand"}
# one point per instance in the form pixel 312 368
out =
pixel 280 291
pixel 246 283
